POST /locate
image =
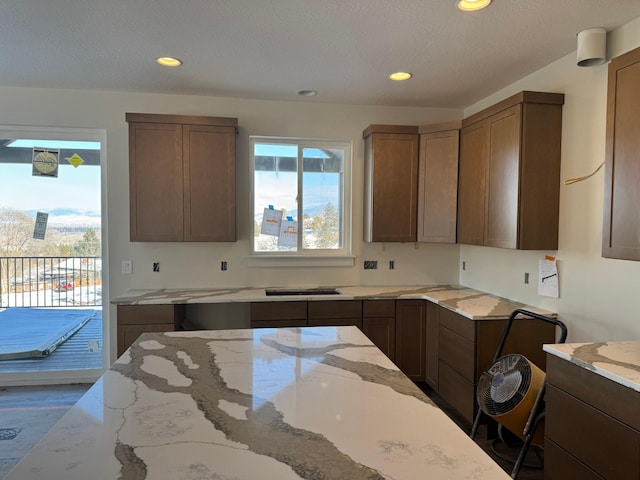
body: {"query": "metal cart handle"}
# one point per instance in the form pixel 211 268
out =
pixel 514 314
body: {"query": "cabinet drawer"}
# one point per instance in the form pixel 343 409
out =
pixel 457 391
pixel 335 322
pixel 559 465
pixel 457 352
pixel 607 446
pixel 335 309
pixel 457 323
pixel 279 311
pixel 150 314
pixel 378 308
pixel 606 395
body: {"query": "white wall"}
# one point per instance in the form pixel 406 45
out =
pixel 597 295
pixel 197 264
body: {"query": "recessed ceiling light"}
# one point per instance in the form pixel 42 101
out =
pixel 307 93
pixel 472 5
pixel 169 61
pixel 398 76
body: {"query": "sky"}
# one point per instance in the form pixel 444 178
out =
pixel 78 189
pixel 278 188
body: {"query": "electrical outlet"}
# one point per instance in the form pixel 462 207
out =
pixel 392 264
pixel 526 278
pixel 126 267
pixel 464 265
pixel 370 264
pixel 156 266
pixel 223 265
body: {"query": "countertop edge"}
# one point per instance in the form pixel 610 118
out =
pixel 380 292
pixel 614 377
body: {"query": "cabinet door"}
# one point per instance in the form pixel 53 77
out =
pixel 621 229
pixel 539 195
pixel 411 338
pixel 382 332
pixel 474 144
pixel 379 324
pixel 127 334
pixel 438 186
pixel 392 171
pixel 209 155
pixel 501 228
pixel 134 320
pixel 155 182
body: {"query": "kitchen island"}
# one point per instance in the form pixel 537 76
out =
pixel 307 403
pixel 592 416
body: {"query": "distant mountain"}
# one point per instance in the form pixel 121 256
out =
pixel 70 217
pixel 311 211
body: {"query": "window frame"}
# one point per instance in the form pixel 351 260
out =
pixel 305 257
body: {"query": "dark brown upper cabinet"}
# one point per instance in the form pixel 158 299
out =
pixel 182 178
pixel 509 173
pixel 391 183
pixel 438 182
pixel 621 225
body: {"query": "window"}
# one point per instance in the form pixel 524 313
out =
pixel 300 197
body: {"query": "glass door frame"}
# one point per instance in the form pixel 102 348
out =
pixel 86 375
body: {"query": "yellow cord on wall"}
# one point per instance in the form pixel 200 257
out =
pixel 579 179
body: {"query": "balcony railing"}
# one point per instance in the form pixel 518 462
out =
pixel 50 281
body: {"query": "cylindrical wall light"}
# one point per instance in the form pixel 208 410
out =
pixel 592 47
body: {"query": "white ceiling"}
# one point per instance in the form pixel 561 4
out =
pixel 269 49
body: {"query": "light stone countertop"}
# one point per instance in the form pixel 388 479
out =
pixel 473 304
pixel 269 404
pixel 617 361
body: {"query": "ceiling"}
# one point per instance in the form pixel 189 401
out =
pixel 270 49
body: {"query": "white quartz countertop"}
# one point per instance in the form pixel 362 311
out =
pixel 468 302
pixel 309 403
pixel 617 361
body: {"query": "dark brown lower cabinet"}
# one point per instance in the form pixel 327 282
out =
pixel 411 338
pixel 134 320
pixel 431 371
pixel 465 348
pixel 379 324
pixel 334 313
pixel 278 314
pixel 592 425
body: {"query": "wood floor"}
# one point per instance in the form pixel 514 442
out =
pixel 509 451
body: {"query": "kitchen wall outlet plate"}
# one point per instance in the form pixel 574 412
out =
pixel 223 266
pixel 370 264
pixel 126 267
pixel 156 266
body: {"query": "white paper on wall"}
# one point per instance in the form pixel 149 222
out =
pixel 271 221
pixel 40 227
pixel 548 278
pixel 288 233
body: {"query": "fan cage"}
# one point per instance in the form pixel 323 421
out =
pixel 504 384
